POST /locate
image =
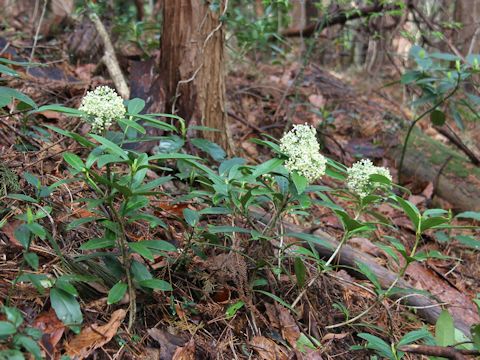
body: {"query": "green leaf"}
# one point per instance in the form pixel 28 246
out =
pixel 140 271
pixel 103 160
pixel 37 229
pixel 444 329
pixel 22 197
pixel 31 259
pixel 365 270
pixel 212 229
pixel 13 315
pixel 348 222
pixel 7 328
pixel 276 298
pixel 215 211
pixel 476 335
pixel 6 70
pixel 468 241
pixel 63 283
pixel 59 108
pixel 299 181
pixel 266 167
pixel 212 149
pixel 232 309
pixel 437 117
pixel 311 238
pixel 32 180
pixel 29 345
pixel 134 125
pixel 191 217
pixel 300 271
pixel 173 156
pixel 116 293
pixel 156 284
pixel 413 336
pixel 10 94
pixel 22 234
pixel 474 215
pixel 140 248
pixel 74 161
pixel 135 106
pixel 98 243
pixel 411 210
pixel 432 222
pixel 34 333
pixel 77 222
pixel 66 307
pixel 110 146
pixel 11 355
pixel 161 245
pixel 377 344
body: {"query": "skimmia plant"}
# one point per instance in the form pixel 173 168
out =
pixel 252 199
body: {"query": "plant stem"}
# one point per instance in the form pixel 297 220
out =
pixel 123 245
pixel 417 119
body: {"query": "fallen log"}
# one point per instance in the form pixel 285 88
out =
pixel 338 18
pixel 427 307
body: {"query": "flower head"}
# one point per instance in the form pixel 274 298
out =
pixel 104 106
pixel 301 146
pixel 358 177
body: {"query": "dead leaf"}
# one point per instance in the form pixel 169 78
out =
pixel 186 352
pixel 289 328
pixel 332 336
pixel 272 315
pixel 169 343
pixel 428 191
pixel 62 8
pixel 94 336
pixel 267 349
pixel 416 199
pixel 9 229
pixel 317 100
pixel 52 329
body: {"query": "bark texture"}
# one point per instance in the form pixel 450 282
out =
pixel 467 39
pixel 192 65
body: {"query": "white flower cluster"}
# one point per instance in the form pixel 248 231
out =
pixel 301 146
pixel 358 177
pixel 104 106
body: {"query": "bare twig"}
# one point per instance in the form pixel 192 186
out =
pixel 110 59
pixel 35 39
pixel 440 351
pixel 455 140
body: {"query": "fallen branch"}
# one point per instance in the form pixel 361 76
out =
pixel 110 59
pixel 339 18
pixel 349 257
pixel 439 351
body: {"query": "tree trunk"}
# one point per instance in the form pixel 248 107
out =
pixel 192 65
pixel 467 39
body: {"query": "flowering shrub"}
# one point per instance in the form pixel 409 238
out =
pixel 358 177
pixel 301 146
pixel 104 106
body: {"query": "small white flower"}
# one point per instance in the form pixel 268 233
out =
pixel 301 146
pixel 358 177
pixel 104 106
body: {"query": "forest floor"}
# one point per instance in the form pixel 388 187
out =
pixel 192 323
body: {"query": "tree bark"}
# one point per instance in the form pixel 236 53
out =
pixel 467 38
pixel 192 65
